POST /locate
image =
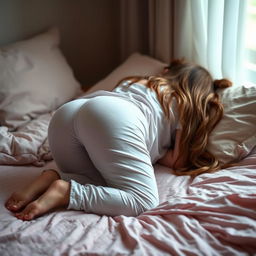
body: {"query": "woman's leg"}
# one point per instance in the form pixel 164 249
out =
pixel 68 152
pixel 114 132
pixel 48 191
pixel 20 199
pixel 71 158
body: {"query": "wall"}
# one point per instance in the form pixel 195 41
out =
pixel 89 31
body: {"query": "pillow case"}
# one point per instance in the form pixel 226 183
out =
pixel 35 78
pixel 136 64
pixel 235 135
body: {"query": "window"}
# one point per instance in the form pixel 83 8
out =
pixel 250 43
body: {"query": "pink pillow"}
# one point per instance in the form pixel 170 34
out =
pixel 136 64
pixel 35 78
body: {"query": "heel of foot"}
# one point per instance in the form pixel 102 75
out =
pixel 51 173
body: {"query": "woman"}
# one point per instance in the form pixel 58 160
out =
pixel 112 139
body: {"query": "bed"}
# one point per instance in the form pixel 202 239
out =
pixel 211 214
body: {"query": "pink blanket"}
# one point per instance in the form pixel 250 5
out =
pixel 213 214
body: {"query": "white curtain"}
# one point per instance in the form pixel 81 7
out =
pixel 208 32
pixel 212 34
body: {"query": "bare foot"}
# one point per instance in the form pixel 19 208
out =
pixel 56 196
pixel 20 199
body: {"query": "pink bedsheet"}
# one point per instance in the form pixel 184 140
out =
pixel 214 214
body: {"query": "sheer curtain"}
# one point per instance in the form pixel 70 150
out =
pixel 208 32
pixel 214 31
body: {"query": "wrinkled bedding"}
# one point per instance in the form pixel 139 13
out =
pixel 28 144
pixel 212 214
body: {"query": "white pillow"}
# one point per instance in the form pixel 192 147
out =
pixel 235 136
pixel 136 64
pixel 35 78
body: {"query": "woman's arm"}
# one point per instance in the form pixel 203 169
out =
pixel 173 157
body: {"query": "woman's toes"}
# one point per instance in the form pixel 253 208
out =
pixel 8 203
pixel 30 212
pixel 19 204
pixel 30 216
pixel 14 203
pixel 25 216
pixel 18 215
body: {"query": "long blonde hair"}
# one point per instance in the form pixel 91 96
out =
pixel 199 110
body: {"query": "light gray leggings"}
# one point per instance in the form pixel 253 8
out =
pixel 103 140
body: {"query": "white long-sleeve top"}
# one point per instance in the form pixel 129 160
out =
pixel 161 130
